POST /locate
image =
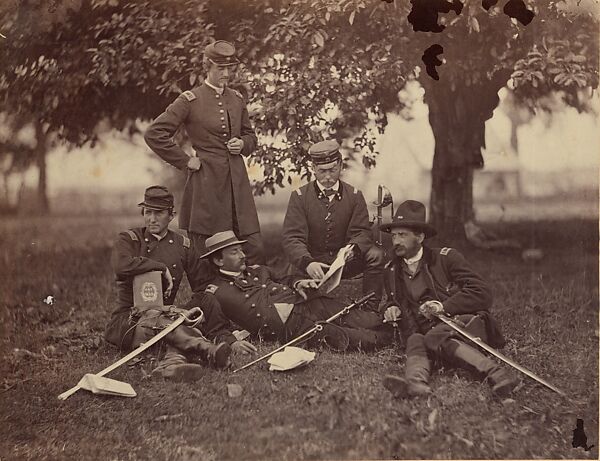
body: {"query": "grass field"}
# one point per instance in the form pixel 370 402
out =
pixel 336 408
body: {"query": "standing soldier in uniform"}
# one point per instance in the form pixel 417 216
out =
pixel 217 194
pixel 327 214
pixel 421 282
pixel 280 311
pixel 156 248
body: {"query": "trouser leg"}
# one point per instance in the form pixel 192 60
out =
pixel 500 378
pixel 254 249
pixel 416 372
pixel 370 264
pixel 187 340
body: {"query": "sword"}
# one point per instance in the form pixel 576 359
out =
pixel 65 395
pixel 317 327
pixel 497 354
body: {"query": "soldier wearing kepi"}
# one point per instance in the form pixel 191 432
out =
pixel 252 299
pixel 156 248
pixel 327 214
pixel 217 194
pixel 422 281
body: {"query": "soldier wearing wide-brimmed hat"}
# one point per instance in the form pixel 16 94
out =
pixel 217 195
pixel 155 247
pixel 421 282
pixel 327 214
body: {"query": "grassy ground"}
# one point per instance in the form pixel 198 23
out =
pixel 335 408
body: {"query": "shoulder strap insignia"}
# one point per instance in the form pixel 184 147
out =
pixel 189 95
pixel 444 251
pixel 237 93
pixel 355 190
pixel 133 235
pixel 211 289
pixel 254 266
pixel 186 241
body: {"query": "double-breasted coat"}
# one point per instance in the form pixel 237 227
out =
pixel 220 187
pixel 276 311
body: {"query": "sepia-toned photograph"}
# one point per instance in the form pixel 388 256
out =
pixel 283 230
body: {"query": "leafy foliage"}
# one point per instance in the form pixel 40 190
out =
pixel 313 69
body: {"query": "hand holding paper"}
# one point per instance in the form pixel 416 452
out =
pixel 334 275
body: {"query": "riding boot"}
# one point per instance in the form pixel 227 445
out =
pixel 191 341
pixel 175 366
pixel 416 372
pixel 501 379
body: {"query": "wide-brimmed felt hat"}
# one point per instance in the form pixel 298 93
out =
pixel 157 198
pixel 219 241
pixel 325 152
pixel 410 214
pixel 221 53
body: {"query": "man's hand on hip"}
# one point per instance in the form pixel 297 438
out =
pixel 194 163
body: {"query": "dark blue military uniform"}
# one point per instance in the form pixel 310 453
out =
pixel 210 121
pixel 250 300
pixel 137 251
pixel 443 275
pixel 315 228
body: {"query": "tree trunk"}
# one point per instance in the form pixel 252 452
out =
pixel 458 110
pixel 40 158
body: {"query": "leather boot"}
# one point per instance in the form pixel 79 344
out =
pixel 416 370
pixel 414 383
pixel 502 380
pixel 333 336
pixel 175 366
pixel 191 341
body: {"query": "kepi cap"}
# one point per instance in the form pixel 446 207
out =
pixel 221 53
pixel 157 198
pixel 325 152
pixel 219 241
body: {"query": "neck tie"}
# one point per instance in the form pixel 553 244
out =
pixel 329 192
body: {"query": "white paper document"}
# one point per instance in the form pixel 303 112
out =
pixel 291 357
pixel 334 274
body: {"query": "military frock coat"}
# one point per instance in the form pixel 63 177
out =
pixel 315 228
pixel 221 185
pixel 137 251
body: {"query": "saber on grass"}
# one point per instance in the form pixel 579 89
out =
pixel 497 354
pixel 65 395
pixel 317 327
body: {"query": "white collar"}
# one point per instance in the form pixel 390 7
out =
pixel 219 90
pixel 335 187
pixel 230 273
pixel 160 237
pixel 416 258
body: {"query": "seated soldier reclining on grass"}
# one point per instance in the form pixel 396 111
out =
pixel 420 283
pixel 277 311
pixel 156 248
